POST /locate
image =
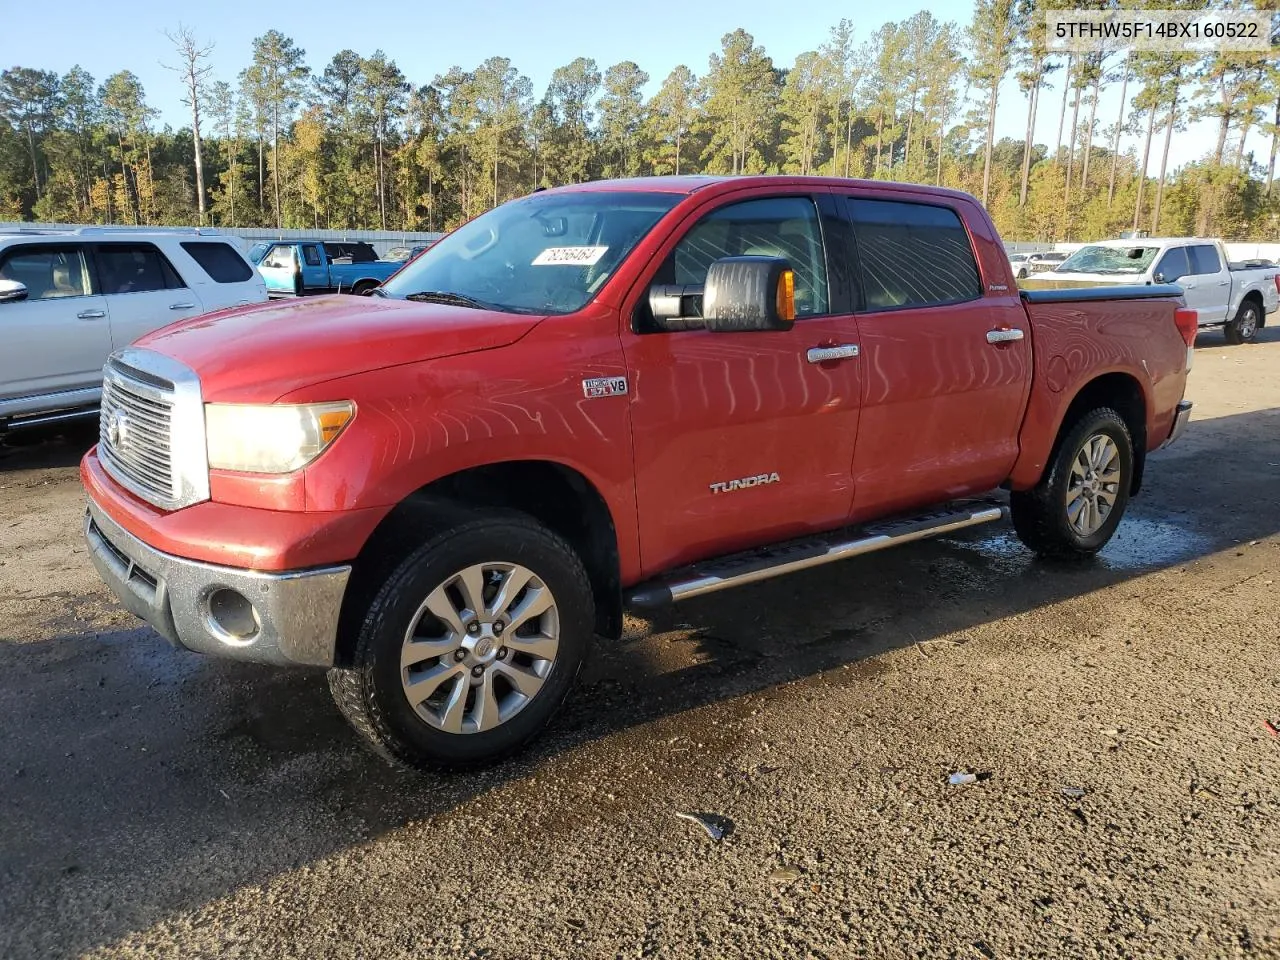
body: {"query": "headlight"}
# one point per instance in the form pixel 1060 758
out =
pixel 271 438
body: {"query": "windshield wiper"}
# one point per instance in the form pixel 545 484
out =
pixel 453 299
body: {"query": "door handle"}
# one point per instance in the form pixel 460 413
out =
pixel 182 306
pixel 91 314
pixel 844 351
pixel 1224 283
pixel 1004 336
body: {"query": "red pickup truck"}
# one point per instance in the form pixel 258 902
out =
pixel 610 394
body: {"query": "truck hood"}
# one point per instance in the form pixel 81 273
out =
pixel 258 353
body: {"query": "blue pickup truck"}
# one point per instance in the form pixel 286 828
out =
pixel 300 267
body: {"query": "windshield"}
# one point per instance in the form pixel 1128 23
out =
pixel 257 250
pixel 548 253
pixel 1097 259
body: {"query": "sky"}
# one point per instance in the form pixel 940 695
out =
pixel 425 39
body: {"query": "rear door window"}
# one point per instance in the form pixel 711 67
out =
pixel 912 255
pixel 311 255
pixel 1204 259
pixel 134 268
pixel 219 261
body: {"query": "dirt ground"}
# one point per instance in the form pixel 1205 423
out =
pixel 154 803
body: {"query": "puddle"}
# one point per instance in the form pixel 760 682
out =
pixel 1139 543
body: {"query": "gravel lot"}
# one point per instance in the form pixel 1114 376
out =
pixel 154 803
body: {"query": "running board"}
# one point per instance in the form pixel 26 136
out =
pixel 738 569
pixel 46 419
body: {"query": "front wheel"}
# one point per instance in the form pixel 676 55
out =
pixel 1245 325
pixel 471 646
pixel 1078 504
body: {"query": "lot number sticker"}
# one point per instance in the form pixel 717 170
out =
pixel 569 256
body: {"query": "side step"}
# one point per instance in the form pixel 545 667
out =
pixel 47 419
pixel 738 569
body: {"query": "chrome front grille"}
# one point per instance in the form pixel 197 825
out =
pixel 151 435
pixel 135 435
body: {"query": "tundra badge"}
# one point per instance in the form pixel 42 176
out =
pixel 604 387
pixel 729 486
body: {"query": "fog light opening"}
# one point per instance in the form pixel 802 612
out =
pixel 232 618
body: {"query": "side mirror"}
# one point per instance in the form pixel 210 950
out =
pixel 11 291
pixel 1159 278
pixel 742 294
pixel 749 293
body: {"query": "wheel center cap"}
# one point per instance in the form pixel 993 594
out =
pixel 483 647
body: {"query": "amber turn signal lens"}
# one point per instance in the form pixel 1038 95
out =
pixel 786 300
pixel 331 423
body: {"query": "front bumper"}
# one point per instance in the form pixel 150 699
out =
pixel 1180 419
pixel 294 615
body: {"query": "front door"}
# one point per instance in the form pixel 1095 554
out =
pixel 58 338
pixel 280 269
pixel 143 289
pixel 946 367
pixel 743 438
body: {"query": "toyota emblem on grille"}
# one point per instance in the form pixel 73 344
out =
pixel 118 429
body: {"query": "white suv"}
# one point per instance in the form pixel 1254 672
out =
pixel 69 298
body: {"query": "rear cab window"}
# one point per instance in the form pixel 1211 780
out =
pixel 912 254
pixel 222 263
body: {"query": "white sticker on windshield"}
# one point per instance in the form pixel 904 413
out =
pixel 569 256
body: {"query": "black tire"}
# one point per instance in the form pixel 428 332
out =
pixel 363 288
pixel 370 693
pixel 1040 514
pixel 1244 326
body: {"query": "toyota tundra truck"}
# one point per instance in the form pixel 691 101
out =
pixel 610 395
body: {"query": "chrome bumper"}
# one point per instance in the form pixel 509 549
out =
pixel 294 617
pixel 1179 422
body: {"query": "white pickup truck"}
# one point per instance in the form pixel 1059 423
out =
pixel 1227 295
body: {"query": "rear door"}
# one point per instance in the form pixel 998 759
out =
pixel 1208 285
pixel 58 338
pixel 744 438
pixel 946 367
pixel 143 289
pixel 315 272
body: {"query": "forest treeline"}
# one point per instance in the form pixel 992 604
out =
pixel 358 144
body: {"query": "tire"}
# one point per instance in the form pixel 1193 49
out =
pixel 455 725
pixel 362 288
pixel 1244 327
pixel 1041 515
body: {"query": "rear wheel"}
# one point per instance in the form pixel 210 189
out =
pixel 363 288
pixel 1078 504
pixel 1245 325
pixel 471 645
